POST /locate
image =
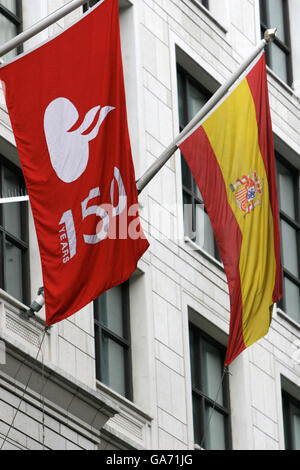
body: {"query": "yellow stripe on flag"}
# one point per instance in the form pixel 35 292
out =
pixel 233 134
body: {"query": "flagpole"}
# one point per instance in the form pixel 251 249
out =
pixel 269 36
pixel 40 26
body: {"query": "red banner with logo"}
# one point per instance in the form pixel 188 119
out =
pixel 66 102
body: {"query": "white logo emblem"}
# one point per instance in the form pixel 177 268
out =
pixel 68 147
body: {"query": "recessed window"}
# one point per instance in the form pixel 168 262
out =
pixel 291 420
pixel 14 271
pixel 210 396
pixel 205 3
pixel 192 97
pixel 89 4
pixel 275 13
pixel 288 200
pixel 10 23
pixel 112 339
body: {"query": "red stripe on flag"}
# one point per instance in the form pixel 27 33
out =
pixel 207 173
pixel 257 80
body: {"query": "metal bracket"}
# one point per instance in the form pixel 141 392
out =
pixel 270 34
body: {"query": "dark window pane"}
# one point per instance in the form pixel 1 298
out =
pixel 93 2
pixel 279 62
pixel 192 357
pixel 181 100
pixel 295 426
pixel 13 270
pixel 291 420
pixel 197 420
pixel 196 190
pixel 289 230
pixel 209 392
pixel 186 174
pixel 10 5
pixel 205 235
pixel 290 249
pixel 12 211
pixel 275 15
pixel 7 31
pixel 113 365
pixel 196 99
pixel 292 299
pixel 212 368
pixel 111 310
pixel 188 216
pixel 286 190
pixel 215 429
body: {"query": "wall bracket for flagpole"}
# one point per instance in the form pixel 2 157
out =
pixel 270 34
pixel 216 97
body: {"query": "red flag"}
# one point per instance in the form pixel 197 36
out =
pixel 67 107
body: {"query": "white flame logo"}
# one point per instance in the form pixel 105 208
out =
pixel 68 147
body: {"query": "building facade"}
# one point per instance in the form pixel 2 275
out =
pixel 141 366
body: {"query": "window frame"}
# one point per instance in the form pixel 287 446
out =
pixel 287 400
pixel 205 3
pixel 124 341
pixel 283 46
pixel 16 19
pixel 86 6
pixel 21 243
pixel 294 223
pixel 192 193
pixel 201 336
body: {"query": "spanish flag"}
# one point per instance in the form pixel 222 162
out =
pixel 231 157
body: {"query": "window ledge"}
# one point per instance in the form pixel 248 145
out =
pixel 17 327
pixel 287 318
pixel 284 85
pixel 131 424
pixel 207 13
pixel 197 447
pixel 21 308
pixel 204 253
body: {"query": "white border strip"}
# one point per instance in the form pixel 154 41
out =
pixel 6 200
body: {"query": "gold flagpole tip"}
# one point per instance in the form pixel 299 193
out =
pixel 270 34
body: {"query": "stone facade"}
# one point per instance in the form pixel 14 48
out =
pixel 176 282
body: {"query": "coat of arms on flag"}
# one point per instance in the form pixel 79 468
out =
pixel 248 191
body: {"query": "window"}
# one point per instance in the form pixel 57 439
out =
pixel 112 339
pixel 10 23
pixel 211 420
pixel 197 226
pixel 288 196
pixel 14 271
pixel 89 4
pixel 274 13
pixel 291 420
pixel 204 3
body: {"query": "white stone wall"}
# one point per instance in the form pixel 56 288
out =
pixel 173 277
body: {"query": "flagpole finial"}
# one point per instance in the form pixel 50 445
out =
pixel 270 34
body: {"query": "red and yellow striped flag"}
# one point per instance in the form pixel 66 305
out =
pixel 231 157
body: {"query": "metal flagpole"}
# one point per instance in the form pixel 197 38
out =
pixel 40 26
pixel 217 96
